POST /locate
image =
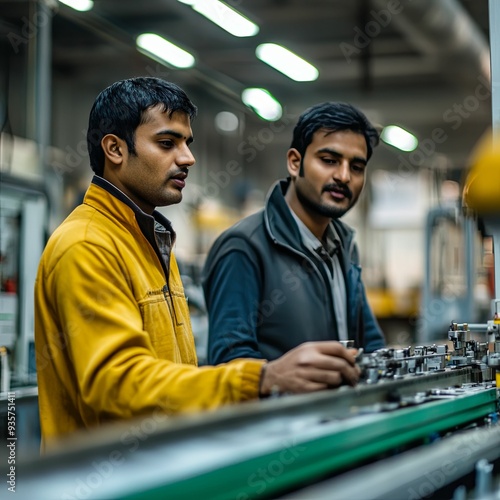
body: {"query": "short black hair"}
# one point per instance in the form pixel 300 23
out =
pixel 333 116
pixel 120 109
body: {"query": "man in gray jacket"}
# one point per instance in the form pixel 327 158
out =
pixel 290 273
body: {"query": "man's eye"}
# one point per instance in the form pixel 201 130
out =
pixel 166 144
pixel 358 168
pixel 330 161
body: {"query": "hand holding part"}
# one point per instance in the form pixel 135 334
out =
pixel 311 366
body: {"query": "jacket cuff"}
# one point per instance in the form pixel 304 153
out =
pixel 250 378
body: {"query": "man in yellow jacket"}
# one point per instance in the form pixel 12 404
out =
pixel 112 330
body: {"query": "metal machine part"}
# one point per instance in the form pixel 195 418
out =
pixel 494 328
pixel 469 351
pixel 348 344
pixel 397 363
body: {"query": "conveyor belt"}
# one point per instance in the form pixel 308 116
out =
pixel 415 474
pixel 255 450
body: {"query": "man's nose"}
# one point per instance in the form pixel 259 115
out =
pixel 186 157
pixel 343 172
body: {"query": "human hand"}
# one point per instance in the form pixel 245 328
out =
pixel 311 366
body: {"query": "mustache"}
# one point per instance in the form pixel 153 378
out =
pixel 180 171
pixel 339 188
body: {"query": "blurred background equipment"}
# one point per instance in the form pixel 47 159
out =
pixel 450 272
pixel 482 197
pixel 23 226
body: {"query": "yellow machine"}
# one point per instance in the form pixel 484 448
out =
pixel 482 187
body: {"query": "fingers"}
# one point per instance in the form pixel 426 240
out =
pixel 335 368
pixel 316 352
pixel 327 378
pixel 310 379
pixel 332 356
pixel 312 366
pixel 304 386
pixel 331 368
pixel 309 351
pixel 298 380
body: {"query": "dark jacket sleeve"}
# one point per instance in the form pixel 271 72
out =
pixel 232 290
pixel 373 336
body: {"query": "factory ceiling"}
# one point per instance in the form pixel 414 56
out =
pixel 421 64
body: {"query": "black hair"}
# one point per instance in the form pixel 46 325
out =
pixel 332 116
pixel 120 109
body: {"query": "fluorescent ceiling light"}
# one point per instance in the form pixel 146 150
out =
pixel 263 103
pixel 225 121
pixel 224 16
pixel 158 47
pixel 399 138
pixel 81 5
pixel 287 62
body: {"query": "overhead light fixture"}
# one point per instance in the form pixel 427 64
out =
pixel 226 17
pixel 226 122
pixel 286 62
pixel 263 103
pixel 157 47
pixel 81 5
pixel 399 138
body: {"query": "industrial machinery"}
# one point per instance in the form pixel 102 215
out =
pixel 482 197
pixel 412 402
pixel 23 224
pixel 450 272
pixel 23 227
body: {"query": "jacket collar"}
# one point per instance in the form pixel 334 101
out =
pixel 145 221
pixel 277 217
pixel 156 228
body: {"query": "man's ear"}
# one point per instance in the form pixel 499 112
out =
pixel 113 148
pixel 293 159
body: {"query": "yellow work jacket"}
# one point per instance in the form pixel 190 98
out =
pixel 112 330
